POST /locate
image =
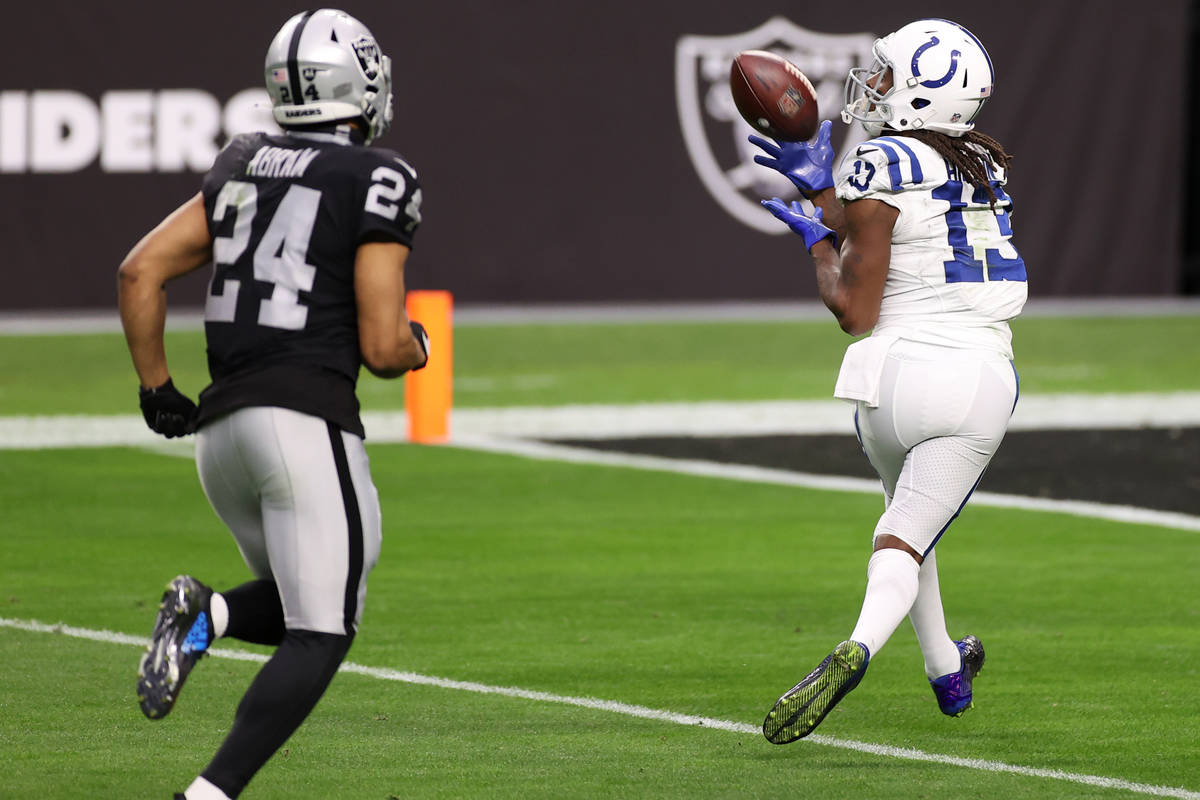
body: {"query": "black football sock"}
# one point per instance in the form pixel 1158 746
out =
pixel 255 613
pixel 278 700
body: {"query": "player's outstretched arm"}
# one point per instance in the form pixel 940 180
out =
pixel 180 244
pixel 387 339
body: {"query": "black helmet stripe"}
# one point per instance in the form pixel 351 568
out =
pixel 293 68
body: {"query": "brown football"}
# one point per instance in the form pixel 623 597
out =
pixel 774 96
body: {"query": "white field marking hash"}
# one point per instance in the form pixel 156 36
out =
pixel 642 712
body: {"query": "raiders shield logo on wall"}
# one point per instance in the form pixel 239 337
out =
pixel 715 134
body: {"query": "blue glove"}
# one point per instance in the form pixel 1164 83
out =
pixel 808 166
pixel 810 228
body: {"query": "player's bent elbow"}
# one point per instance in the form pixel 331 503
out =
pixel 134 279
pixel 856 322
pixel 854 328
pixel 143 273
pixel 129 271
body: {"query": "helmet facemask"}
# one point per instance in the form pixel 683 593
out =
pixel 863 101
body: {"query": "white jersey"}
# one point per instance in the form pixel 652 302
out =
pixel 955 277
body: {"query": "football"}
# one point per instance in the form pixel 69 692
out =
pixel 773 96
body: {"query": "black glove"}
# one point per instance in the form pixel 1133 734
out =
pixel 168 411
pixel 418 332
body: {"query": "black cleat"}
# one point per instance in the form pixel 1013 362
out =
pixel 801 709
pixel 182 634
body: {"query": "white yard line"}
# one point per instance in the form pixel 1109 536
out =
pixel 643 712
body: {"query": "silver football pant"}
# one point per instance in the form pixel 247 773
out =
pixel 296 493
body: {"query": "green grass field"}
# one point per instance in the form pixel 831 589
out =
pixel 690 595
pixel 622 363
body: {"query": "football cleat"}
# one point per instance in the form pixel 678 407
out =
pixel 182 633
pixel 800 710
pixel 953 691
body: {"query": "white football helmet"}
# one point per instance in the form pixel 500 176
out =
pixel 941 76
pixel 324 66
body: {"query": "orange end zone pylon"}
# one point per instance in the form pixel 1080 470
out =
pixel 428 393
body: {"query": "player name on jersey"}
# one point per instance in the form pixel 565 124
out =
pixel 280 162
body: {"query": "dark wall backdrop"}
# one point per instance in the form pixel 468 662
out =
pixel 549 142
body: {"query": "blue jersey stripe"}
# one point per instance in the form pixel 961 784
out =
pixel 893 164
pixel 917 175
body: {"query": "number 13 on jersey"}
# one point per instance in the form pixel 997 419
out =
pixel 979 237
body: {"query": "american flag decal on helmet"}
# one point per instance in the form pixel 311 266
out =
pixel 985 91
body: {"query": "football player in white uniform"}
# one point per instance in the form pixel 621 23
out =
pixel 912 241
pixel 308 233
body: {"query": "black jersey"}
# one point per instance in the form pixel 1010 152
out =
pixel 287 214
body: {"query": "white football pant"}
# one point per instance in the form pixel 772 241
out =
pixel 941 416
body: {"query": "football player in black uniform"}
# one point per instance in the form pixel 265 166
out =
pixel 308 233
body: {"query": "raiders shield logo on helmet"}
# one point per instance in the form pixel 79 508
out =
pixel 368 56
pixel 715 133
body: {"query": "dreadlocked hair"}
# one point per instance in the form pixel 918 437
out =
pixel 971 154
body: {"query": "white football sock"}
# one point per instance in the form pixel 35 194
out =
pixel 220 614
pixel 929 622
pixel 203 790
pixel 891 589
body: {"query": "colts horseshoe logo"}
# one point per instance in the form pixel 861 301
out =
pixel 942 81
